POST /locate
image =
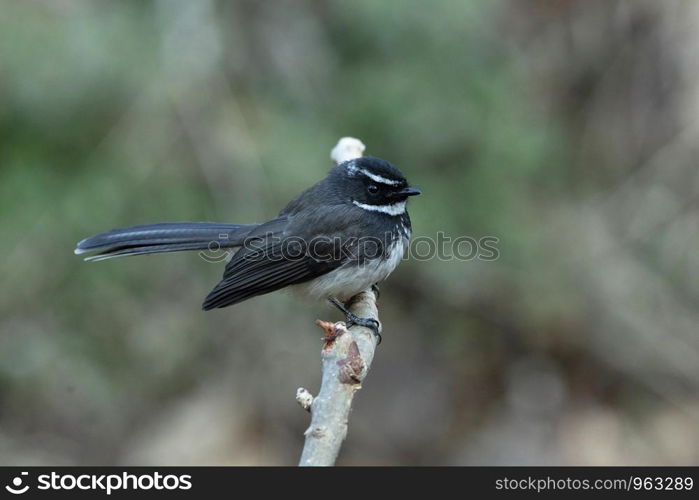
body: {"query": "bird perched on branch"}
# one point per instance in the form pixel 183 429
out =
pixel 340 236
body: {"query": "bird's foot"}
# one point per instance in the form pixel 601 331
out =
pixel 352 319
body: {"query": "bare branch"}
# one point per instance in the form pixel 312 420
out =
pixel 346 358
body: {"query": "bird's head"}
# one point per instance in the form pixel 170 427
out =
pixel 375 185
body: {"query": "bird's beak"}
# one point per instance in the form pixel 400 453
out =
pixel 410 191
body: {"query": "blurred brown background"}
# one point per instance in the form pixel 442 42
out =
pixel 567 129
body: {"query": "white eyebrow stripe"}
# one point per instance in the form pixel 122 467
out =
pixel 393 209
pixel 378 178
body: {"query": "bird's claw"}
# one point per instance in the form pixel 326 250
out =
pixel 352 319
pixel 370 323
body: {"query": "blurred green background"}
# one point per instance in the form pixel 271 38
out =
pixel 565 128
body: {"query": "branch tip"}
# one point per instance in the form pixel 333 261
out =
pixel 347 148
pixel 332 330
pixel 304 398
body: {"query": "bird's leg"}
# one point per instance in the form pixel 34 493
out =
pixel 375 289
pixel 352 319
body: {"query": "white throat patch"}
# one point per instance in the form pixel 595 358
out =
pixel 397 208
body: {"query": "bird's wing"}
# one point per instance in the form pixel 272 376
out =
pixel 273 257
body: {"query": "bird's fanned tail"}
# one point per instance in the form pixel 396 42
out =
pixel 163 237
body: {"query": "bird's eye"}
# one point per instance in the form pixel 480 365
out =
pixel 373 188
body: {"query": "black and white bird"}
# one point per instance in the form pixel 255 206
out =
pixel 340 236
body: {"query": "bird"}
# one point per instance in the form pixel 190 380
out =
pixel 340 236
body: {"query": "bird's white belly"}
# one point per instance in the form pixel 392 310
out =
pixel 350 279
